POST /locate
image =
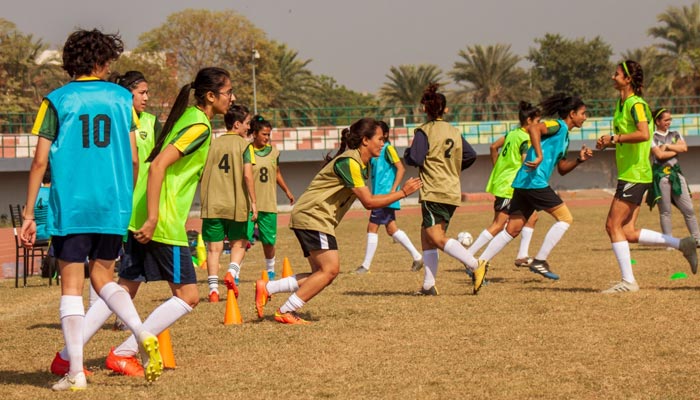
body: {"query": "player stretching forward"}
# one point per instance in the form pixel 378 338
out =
pixel 514 146
pixel 387 172
pixel 320 209
pixel 550 143
pixel 86 130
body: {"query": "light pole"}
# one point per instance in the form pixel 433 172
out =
pixel 256 55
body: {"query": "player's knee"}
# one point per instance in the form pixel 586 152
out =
pixel 563 214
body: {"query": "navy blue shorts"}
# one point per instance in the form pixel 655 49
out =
pixel 382 216
pixel 315 240
pixel 527 201
pixel 86 246
pixel 155 261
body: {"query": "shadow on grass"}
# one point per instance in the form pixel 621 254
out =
pixel 379 294
pixel 45 326
pixel 680 289
pixel 38 379
pixel 562 290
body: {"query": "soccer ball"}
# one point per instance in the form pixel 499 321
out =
pixel 465 238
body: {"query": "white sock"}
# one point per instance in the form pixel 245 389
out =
pixel 93 295
pixel 119 301
pixel 293 303
pixel 455 249
pixel 287 285
pixel 213 281
pixel 430 262
pixel 270 264
pixel 95 318
pixel 159 320
pixel 72 314
pixel 624 260
pixel 652 238
pixel 496 245
pixel 235 269
pixel 484 237
pixel 551 239
pixel 403 239
pixel 525 238
pixel 372 241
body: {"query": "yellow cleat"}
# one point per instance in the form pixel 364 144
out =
pixel 479 275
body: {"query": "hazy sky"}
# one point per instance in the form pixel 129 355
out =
pixel 357 41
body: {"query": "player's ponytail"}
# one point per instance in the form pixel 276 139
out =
pixel 209 79
pixel 433 102
pixel 527 110
pixel 351 138
pixel 560 105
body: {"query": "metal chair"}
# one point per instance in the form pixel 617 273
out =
pixel 39 249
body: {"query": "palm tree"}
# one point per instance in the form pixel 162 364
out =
pixel 405 87
pixel 679 30
pixel 296 84
pixel 490 77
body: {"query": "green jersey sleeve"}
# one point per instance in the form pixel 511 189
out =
pixel 350 172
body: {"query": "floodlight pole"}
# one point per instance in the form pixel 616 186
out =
pixel 256 55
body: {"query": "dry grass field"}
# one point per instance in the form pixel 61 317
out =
pixel 522 336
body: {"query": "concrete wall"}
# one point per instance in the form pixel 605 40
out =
pixel 299 167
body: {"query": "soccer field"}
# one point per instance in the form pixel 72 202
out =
pixel 522 336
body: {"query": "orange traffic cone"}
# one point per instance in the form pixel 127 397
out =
pixel 166 349
pixel 233 313
pixel 263 276
pixel 286 268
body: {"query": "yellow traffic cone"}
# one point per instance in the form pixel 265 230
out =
pixel 286 268
pixel 233 313
pixel 263 276
pixel 201 252
pixel 166 349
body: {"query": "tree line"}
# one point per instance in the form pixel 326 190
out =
pixel 489 78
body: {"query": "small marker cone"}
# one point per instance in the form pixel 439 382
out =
pixel 286 268
pixel 201 252
pixel 166 349
pixel 263 276
pixel 233 313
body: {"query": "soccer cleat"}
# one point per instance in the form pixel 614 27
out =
pixel 427 292
pixel 61 367
pixel 261 297
pixel 479 275
pixel 542 267
pixel 119 325
pixel 688 247
pixel 213 296
pixel 123 365
pixel 150 356
pixel 78 382
pixel 231 283
pixel 290 318
pixel 523 262
pixel 622 287
pixel 271 275
pixel 361 270
pixel 417 265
